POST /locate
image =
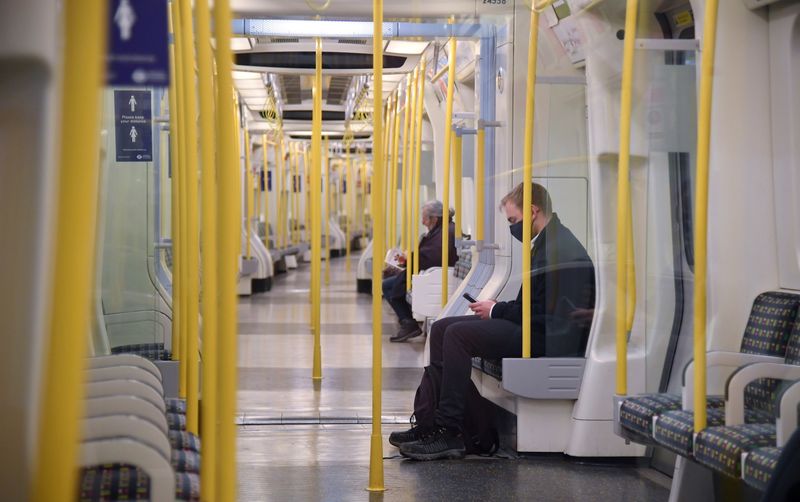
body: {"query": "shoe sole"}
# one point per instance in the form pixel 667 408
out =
pixel 405 337
pixel 398 443
pixel 444 455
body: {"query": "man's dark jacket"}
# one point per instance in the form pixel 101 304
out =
pixel 430 255
pixel 562 280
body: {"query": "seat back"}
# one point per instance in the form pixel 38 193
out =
pixel 772 329
pixel 770 323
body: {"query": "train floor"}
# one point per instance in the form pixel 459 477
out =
pixel 298 441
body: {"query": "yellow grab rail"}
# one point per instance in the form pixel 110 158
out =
pixel 307 191
pixel 418 164
pixel 701 220
pixel 280 223
pixel 457 168
pixel 55 476
pixel 175 191
pixel 408 171
pixel 179 186
pixel 248 196
pixel 192 231
pixel 406 165
pixel 348 208
pixel 209 403
pixel 392 200
pixel 376 439
pixel 265 201
pixel 527 179
pixel 327 216
pixel 480 183
pixel 228 257
pixel 623 197
pixel 448 141
pixel 314 191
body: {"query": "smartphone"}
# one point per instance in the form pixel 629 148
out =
pixel 469 298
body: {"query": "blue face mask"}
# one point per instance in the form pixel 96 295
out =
pixel 516 230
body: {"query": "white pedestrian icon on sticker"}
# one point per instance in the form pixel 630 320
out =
pixel 134 134
pixel 133 103
pixel 125 18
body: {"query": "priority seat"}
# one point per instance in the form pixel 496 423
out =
pixel 766 335
pixel 127 482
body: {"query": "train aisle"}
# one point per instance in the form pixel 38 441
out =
pixel 301 443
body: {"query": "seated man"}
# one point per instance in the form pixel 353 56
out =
pixel 430 255
pixel 562 293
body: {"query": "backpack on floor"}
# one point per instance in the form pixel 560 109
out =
pixel 480 436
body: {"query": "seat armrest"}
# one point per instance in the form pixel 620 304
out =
pixel 127 405
pixel 124 360
pixel 734 390
pixel 125 373
pixel 130 451
pixel 715 359
pixel 126 388
pixel 787 413
pixel 130 426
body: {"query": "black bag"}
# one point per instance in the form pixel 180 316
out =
pixel 480 436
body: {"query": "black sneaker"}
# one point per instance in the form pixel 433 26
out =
pixel 442 443
pixel 415 433
pixel 409 329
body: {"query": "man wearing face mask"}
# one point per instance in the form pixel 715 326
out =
pixel 430 255
pixel 562 293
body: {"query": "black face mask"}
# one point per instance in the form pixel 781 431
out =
pixel 516 230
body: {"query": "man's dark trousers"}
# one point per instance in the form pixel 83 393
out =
pixel 454 342
pixel 394 291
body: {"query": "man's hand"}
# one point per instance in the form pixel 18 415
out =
pixel 482 308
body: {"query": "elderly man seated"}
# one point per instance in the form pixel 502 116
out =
pixel 430 255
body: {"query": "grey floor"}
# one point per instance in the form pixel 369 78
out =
pixel 307 442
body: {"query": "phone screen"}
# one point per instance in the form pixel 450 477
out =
pixel 469 298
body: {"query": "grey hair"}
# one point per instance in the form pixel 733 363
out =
pixel 432 208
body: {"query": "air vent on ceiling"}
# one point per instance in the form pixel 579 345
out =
pixel 305 60
pixel 353 41
pixel 284 40
pixel 308 115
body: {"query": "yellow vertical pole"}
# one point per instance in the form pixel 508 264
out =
pixel 701 225
pixel 176 157
pixel 208 410
pixel 457 168
pixel 418 163
pixel 179 251
pixel 408 177
pixel 295 185
pixel 307 192
pixel 314 196
pixel 280 222
pixel 363 209
pixel 228 257
pixel 393 181
pixel 265 207
pixel 480 183
pixel 623 197
pixel 348 209
pixel 192 231
pixel 376 440
pixel 527 179
pixel 389 125
pixel 248 196
pixel 448 137
pixel 55 476
pixel 405 167
pixel 326 220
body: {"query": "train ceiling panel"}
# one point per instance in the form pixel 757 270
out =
pixel 362 9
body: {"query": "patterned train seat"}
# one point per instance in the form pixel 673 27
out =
pixel 125 482
pixel 721 447
pixel 768 329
